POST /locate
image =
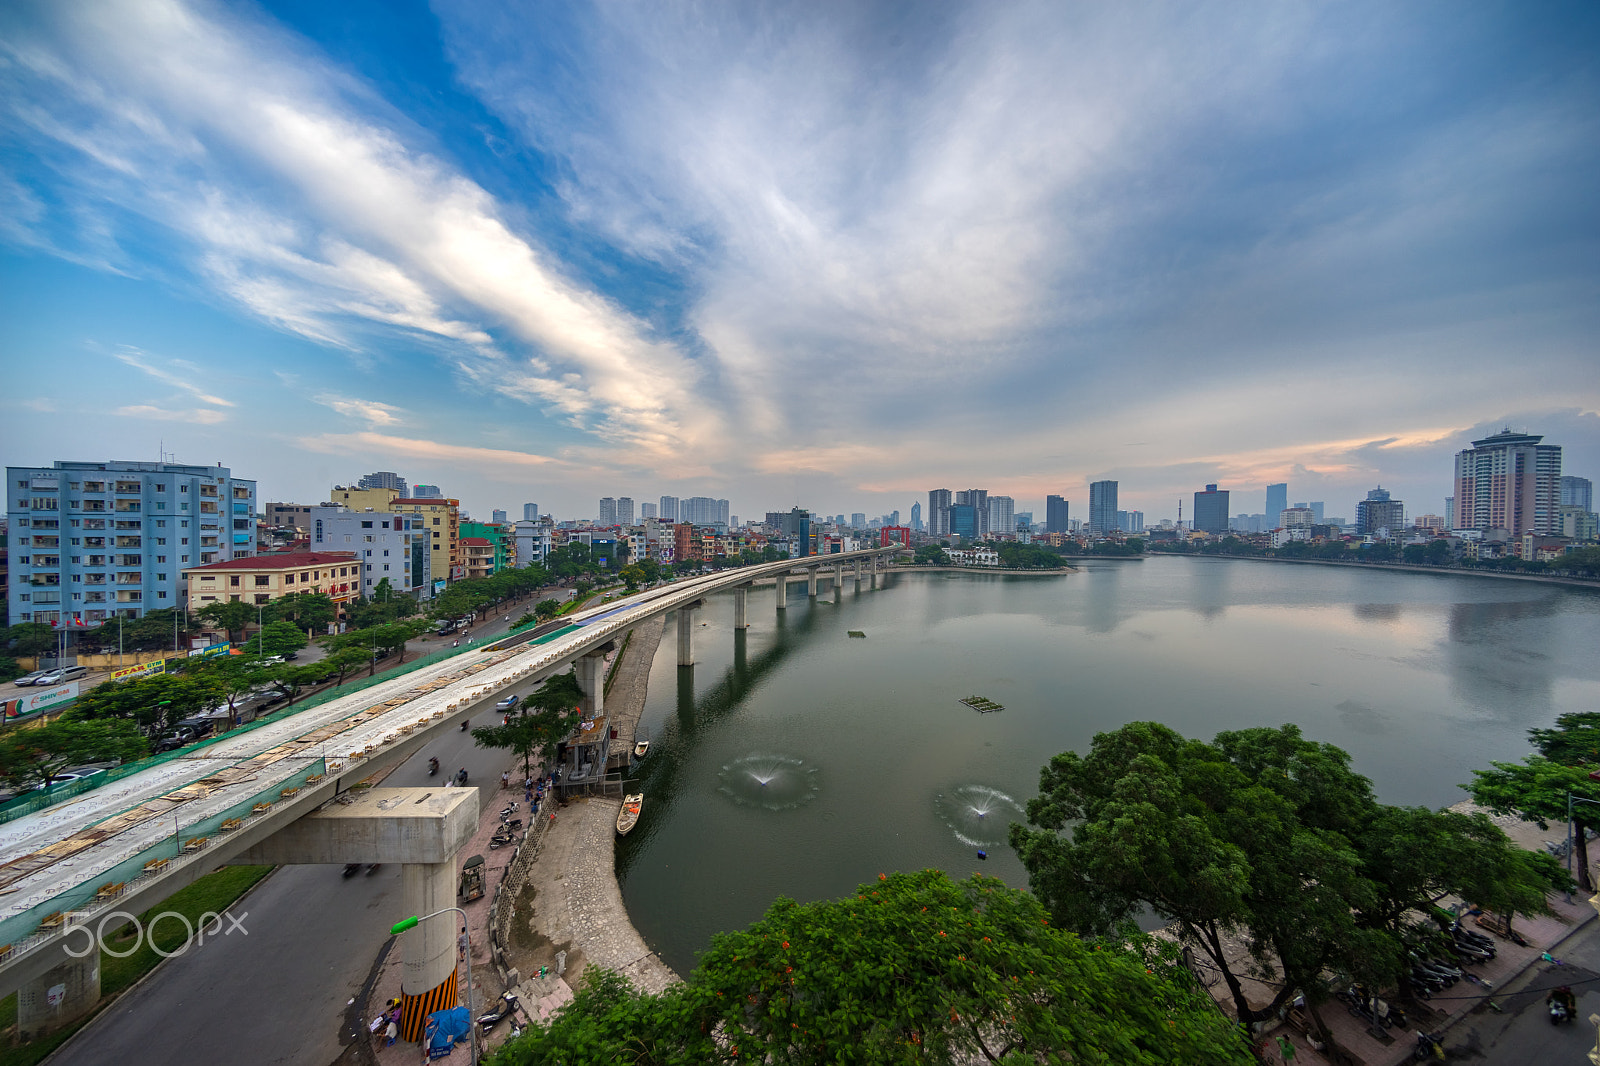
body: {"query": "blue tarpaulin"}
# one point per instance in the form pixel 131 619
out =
pixel 444 1028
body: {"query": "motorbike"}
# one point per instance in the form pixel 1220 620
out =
pixel 1429 1046
pixel 351 869
pixel 465 722
pixel 1561 1005
pixel 433 767
pixel 501 1011
pixel 461 777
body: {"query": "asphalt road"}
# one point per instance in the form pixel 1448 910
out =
pixel 279 994
pixel 1523 1033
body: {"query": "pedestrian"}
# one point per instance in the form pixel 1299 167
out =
pixel 505 779
pixel 464 944
pixel 1286 1048
pixel 527 795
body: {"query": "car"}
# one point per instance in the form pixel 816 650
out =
pixel 29 679
pixel 71 775
pixel 291 655
pixel 508 703
pixel 62 674
pixel 270 660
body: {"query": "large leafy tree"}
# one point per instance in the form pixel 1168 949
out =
pixel 542 721
pixel 307 610
pixel 1261 834
pixel 914 968
pixel 30 639
pixel 277 638
pixel 230 615
pixel 1536 791
pixel 151 703
pixel 36 755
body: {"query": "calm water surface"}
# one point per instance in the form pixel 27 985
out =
pixel 795 760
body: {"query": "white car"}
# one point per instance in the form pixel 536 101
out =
pixel 60 674
pixel 29 679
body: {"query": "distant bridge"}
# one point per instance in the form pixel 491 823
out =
pixel 84 867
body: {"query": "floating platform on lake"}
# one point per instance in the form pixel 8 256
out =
pixel 858 633
pixel 982 704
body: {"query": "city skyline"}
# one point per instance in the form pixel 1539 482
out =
pixel 387 238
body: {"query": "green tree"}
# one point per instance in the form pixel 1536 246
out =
pixel 278 638
pixel 307 610
pixel 1259 831
pixel 930 555
pixel 287 679
pixel 152 703
pixel 229 615
pixel 10 668
pixel 30 639
pixel 38 754
pixel 1536 791
pixel 547 609
pixel 651 568
pixel 543 720
pixel 341 661
pixel 914 968
pixel 632 576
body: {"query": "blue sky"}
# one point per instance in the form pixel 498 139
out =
pixel 827 254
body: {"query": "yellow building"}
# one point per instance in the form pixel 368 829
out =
pixel 442 518
pixel 256 579
pixel 364 499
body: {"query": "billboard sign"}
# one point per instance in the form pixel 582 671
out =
pixel 213 650
pixel 41 700
pixel 127 673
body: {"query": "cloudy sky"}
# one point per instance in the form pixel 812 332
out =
pixel 832 254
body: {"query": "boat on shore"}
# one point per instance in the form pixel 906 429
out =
pixel 628 817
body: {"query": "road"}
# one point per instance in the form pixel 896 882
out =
pixel 279 994
pixel 1523 1033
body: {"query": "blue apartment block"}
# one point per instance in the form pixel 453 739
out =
pixel 90 541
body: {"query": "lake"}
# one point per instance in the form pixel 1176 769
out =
pixel 794 759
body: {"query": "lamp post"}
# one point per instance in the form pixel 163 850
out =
pixel 410 923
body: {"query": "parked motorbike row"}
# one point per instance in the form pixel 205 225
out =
pixel 1460 948
pixel 506 833
pixel 1429 1046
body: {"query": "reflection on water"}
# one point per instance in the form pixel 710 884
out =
pixel 1420 677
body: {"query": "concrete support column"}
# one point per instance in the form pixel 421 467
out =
pixel 811 582
pixel 838 574
pixel 591 670
pixel 783 591
pixel 432 948
pixel 741 607
pixel 63 994
pixel 686 635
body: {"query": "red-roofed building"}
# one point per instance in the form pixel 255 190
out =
pixel 258 578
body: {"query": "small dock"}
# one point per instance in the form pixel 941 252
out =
pixel 982 704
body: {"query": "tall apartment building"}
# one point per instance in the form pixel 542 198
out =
pixel 90 541
pixel 608 511
pixel 498 517
pixel 978 500
pixel 1002 514
pixel 1379 512
pixel 1211 510
pixel 383 479
pixel 916 517
pixel 669 509
pixel 388 544
pixel 442 522
pixel 1135 522
pixel 939 512
pixel 1577 492
pixel 284 515
pixel 1509 481
pixel 425 492
pixel 704 511
pixel 624 510
pixel 964 521
pixel 1056 519
pixel 648 511
pixel 534 539
pixel 1278 501
pixel 1103 507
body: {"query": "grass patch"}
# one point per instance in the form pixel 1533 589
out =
pixel 213 893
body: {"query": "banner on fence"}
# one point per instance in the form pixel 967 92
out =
pixel 127 673
pixel 43 699
pixel 213 650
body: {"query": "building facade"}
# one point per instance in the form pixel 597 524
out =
pixel 530 512
pixel 383 479
pixel 1211 510
pixel 1002 514
pixel 287 515
pixel 441 520
pixel 1277 500
pixel 669 509
pixel 916 517
pixel 1102 507
pixel 1379 512
pixel 964 521
pixel 939 512
pixel 389 545
pixel 1509 481
pixel 608 511
pixel 1577 492
pixel 1056 519
pixel 258 579
pixel 91 541
pixel 978 500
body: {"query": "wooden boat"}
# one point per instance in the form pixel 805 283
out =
pixel 641 749
pixel 628 817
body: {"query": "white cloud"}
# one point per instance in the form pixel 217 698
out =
pixel 204 416
pixel 370 411
pixel 187 379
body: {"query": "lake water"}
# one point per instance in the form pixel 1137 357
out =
pixel 796 760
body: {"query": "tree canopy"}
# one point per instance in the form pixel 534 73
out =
pixel 539 723
pixel 37 754
pixel 913 968
pixel 152 703
pixel 1259 832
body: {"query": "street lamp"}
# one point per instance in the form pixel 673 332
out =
pixel 411 923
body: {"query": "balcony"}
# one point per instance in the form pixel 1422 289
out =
pixel 125 488
pixel 208 508
pixel 95 560
pixel 51 596
pixel 95 579
pixel 94 486
pixel 128 506
pixel 129 595
pixel 94 542
pixel 94 505
pixel 129 542
pixel 130 579
pixel 44 579
pixel 135 525
pixel 94 597
pixel 47 542
pixel 94 523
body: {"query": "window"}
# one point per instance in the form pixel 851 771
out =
pixel 366 525
pixel 386 554
pixel 386 566
pixel 435 521
pixel 160 541
pixel 161 558
pixel 369 553
pixel 184 540
pixel 161 594
pixel 233 581
pixel 161 523
pixel 262 581
pixel 368 540
pixel 288 579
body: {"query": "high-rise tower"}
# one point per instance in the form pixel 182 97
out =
pixel 1102 507
pixel 1509 481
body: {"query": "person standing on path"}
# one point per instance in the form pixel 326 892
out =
pixel 505 779
pixel 1286 1048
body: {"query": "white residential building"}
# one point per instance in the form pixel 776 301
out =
pixel 389 545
